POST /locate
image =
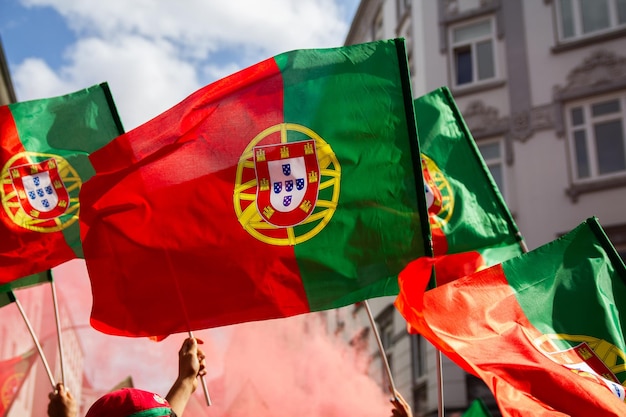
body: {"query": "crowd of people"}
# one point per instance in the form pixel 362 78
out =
pixel 129 402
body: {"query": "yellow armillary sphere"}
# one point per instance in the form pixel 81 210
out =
pixel 246 187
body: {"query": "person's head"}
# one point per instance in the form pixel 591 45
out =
pixel 130 402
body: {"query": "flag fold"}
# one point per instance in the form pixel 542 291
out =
pixel 285 188
pixel 544 330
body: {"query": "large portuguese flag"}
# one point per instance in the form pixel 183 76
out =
pixel 285 188
pixel 43 157
pixel 469 220
pixel 544 330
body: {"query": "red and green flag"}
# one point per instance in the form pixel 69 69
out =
pixel 44 148
pixel 13 372
pixel 469 220
pixel 544 330
pixel 285 188
pixel 477 409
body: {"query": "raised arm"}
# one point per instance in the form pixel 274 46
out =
pixel 190 366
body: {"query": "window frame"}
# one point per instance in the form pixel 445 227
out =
pixel 472 45
pixel 403 7
pixel 501 160
pixel 590 138
pixel 577 22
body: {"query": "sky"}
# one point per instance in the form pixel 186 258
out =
pixel 153 54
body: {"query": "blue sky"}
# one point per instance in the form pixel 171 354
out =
pixel 153 53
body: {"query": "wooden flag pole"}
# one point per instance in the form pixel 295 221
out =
pixel 440 403
pixel 13 298
pixel 381 348
pixel 203 381
pixel 182 303
pixel 57 320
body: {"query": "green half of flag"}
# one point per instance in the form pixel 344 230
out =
pixel 44 162
pixel 466 210
pixel 577 296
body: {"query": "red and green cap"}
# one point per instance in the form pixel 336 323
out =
pixel 131 402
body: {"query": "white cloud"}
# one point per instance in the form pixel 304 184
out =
pixel 154 53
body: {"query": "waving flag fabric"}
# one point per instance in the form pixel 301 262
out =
pixel 43 160
pixel 544 330
pixel 13 372
pixel 285 188
pixel 468 216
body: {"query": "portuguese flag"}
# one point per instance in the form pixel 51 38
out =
pixel 43 156
pixel 285 188
pixel 477 409
pixel 544 330
pixel 13 372
pixel 468 216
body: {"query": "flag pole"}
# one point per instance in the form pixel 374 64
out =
pixel 381 348
pixel 439 364
pixel 186 317
pixel 203 381
pixel 57 320
pixel 13 298
pixel 522 244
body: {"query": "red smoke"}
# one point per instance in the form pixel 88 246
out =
pixel 284 367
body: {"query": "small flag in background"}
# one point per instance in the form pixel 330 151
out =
pixel 469 219
pixel 285 188
pixel 477 409
pixel 13 372
pixel 544 330
pixel 43 161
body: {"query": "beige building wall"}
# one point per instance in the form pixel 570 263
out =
pixel 541 67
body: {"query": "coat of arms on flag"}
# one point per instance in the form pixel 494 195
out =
pixel 287 177
pixel 40 189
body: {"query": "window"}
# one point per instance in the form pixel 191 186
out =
pixel 418 356
pixel 472 49
pixel 597 138
pixel 420 400
pixel 492 154
pixel 402 7
pixel 384 323
pixel 582 18
pixel 476 388
pixel 386 334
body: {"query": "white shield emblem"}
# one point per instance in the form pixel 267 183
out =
pixel 40 189
pixel 288 182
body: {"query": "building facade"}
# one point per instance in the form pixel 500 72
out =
pixel 542 86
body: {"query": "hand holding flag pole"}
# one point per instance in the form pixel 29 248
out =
pixel 203 382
